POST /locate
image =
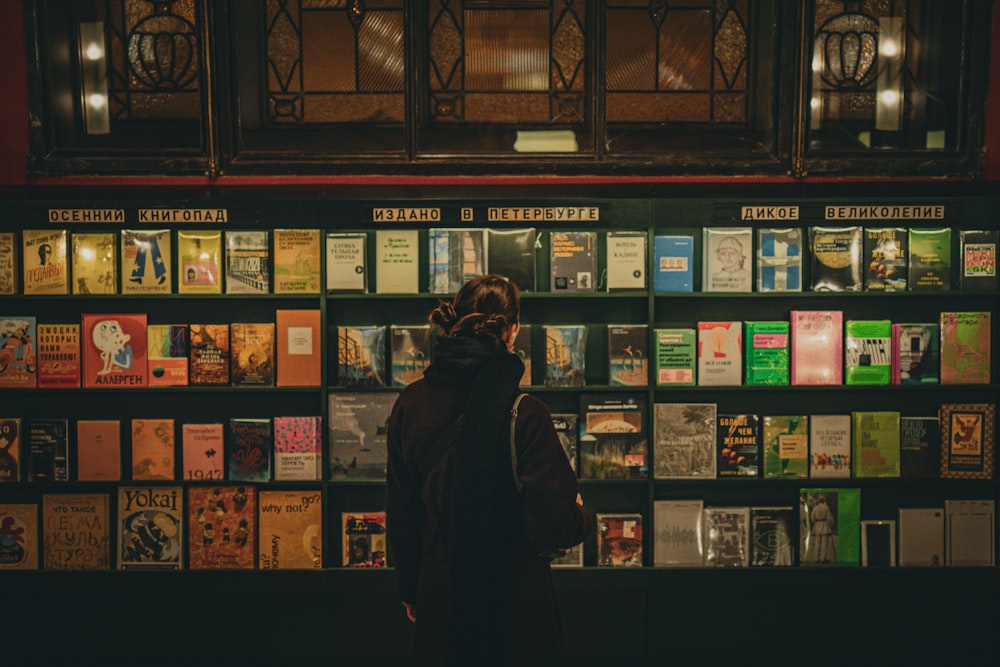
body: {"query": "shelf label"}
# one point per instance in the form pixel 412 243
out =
pixel 63 215
pixel 543 213
pixel 769 212
pixel 885 212
pixel 424 214
pixel 160 215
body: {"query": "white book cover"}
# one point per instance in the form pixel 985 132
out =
pixel 969 529
pixel 345 263
pixel 727 259
pixel 829 445
pixel 626 260
pixel 396 259
pixel 677 540
pixel 720 353
pixel 921 536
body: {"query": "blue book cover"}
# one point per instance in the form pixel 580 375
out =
pixel 673 264
pixel 779 260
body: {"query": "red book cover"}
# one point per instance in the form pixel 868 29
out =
pixel 203 451
pixel 298 445
pixel 114 350
pixel 59 355
pixel 222 525
pixel 209 355
pixel 817 347
pixel 98 450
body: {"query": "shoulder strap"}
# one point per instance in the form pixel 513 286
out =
pixel 513 442
pixel 438 448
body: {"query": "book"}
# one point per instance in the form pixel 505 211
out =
pixel 44 261
pixel 677 530
pixel 867 351
pixel 921 536
pixel 673 263
pixel 919 447
pixel 726 534
pixel 830 445
pixel 830 534
pixel 199 261
pixel 676 356
pixel 511 253
pixel 619 539
pixel 298 448
pixel 150 528
pixel 613 438
pixel 18 352
pixel 298 347
pixel 779 259
pixel 11 436
pixel 966 339
pixel 878 543
pixel 359 426
pixel 572 557
pixel 875 443
pixel 738 445
pixel 248 262
pixel 346 263
pixel 720 353
pixel 76 534
pixel 968 440
pixel 684 440
pixel 628 358
pixel 153 448
pixel 396 261
pixel 625 259
pixel 572 261
pixel 290 530
pixel 970 533
pixel 10 272
pixel 114 350
pixel 94 262
pixel 567 426
pixel 916 353
pixel 772 536
pixel 727 259
pixel 816 352
pixel 886 259
pixel 98 450
pixel 58 356
pixel 766 352
pixel 47 450
pixel 18 536
pixel 252 354
pixel 455 256
pixel 930 258
pixel 565 355
pixel 146 261
pixel 363 539
pixel 249 446
pixel 785 445
pixel 296 261
pixel 209 357
pixel 835 254
pixel 410 352
pixel 203 449
pixel 978 263
pixel 222 526
pixel 361 356
pixel 167 353
pixel 522 348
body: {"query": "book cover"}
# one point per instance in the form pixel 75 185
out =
pixel 720 353
pixel 150 528
pixel 878 543
pixel 203 451
pixel 147 261
pixel 18 536
pixel 565 355
pixel 298 448
pixel 48 450
pixel 727 259
pixel 58 356
pixel 738 445
pixel 921 537
pixel 251 354
pixel 11 437
pixel 886 259
pixel 930 259
pixel 772 536
pixel 830 445
pixel 249 446
pixel 10 272
pixel 677 533
pixel 199 261
pixel 628 358
pixel 222 527
pixel 298 347
pixel 397 261
pixel 511 253
pixel 363 539
pixel 676 356
pixel 44 261
pixel 18 352
pixel 76 534
pixel 613 438
pixel 968 440
pixel 830 534
pixel 114 350
pixel 626 260
pixel 210 358
pixel 94 263
pixel 296 261
pixel 410 352
pixel 978 264
pixel 786 446
pixel 835 254
pixel 290 530
pixel 346 263
pixel 726 533
pixel 766 352
pixel 98 450
pixel 153 450
pixel 567 425
pixel 619 539
pixel 867 351
pixel 361 356
pixel 970 533
pixel 455 256
pixel 359 426
pixel 572 557
pixel 966 339
pixel 779 259
pixel 522 348
pixel 919 447
pixel 875 443
pixel 572 261
pixel 673 263
pixel 684 440
pixel 916 353
pixel 816 354
pixel 167 353
pixel 248 262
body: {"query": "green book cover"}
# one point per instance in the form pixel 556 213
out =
pixel 875 443
pixel 766 350
pixel 930 259
pixel 676 356
pixel 786 446
pixel 965 347
pixel 830 534
pixel 867 351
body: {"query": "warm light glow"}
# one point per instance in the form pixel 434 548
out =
pixel 889 97
pixel 889 48
pixel 87 254
pixel 94 52
pixel 814 103
pixel 97 101
pixel 93 78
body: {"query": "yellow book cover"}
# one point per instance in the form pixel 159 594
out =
pixel 59 355
pixel 8 263
pixel 199 257
pixel 146 261
pixel 95 263
pixel 152 449
pixel 290 532
pixel 18 537
pixel 44 256
pixel 296 261
pixel 76 534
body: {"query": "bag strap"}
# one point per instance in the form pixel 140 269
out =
pixel 513 443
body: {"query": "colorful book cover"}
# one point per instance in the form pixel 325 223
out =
pixel 298 448
pixel 614 443
pixel 619 539
pixel 779 259
pixel 978 265
pixel 76 534
pixel 203 449
pixel 98 450
pixel 410 352
pixel 248 262
pixel 94 263
pixel 151 528
pixel 210 358
pixel 363 539
pixel 836 258
pixel 676 356
pixel 572 261
pixel 18 536
pixel 919 447
pixel 726 534
pixel 817 347
pixel 966 339
pixel 968 440
pixel 875 443
pixel 831 527
pixel 830 445
pixel 251 354
pixel 346 263
pixel 727 259
pixel 249 447
pixel 673 263
pixel 930 259
pixel 45 265
pixel 766 345
pixel 565 355
pixel 9 267
pixel 455 256
pixel 786 446
pixel 720 353
pixel 18 352
pixel 625 255
pixel 296 261
pixel 772 536
pixel 114 350
pixel 11 435
pixel 628 354
pixel 298 347
pixel 199 261
pixel 886 259
pixel 290 530
pixel 567 426
pixel 59 356
pixel 167 352
pixel 684 440
pixel 677 527
pixel 916 353
pixel 361 356
pixel 738 445
pixel 48 450
pixel 222 527
pixel 397 261
pixel 153 451
pixel 522 348
pixel 147 262
pixel 511 253
pixel 359 426
pixel 867 351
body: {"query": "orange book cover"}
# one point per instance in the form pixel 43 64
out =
pixel 59 356
pixel 11 429
pixel 18 352
pixel 251 348
pixel 298 348
pixel 18 537
pixel 114 350
pixel 202 451
pixel 222 525
pixel 208 358
pixel 98 450
pixel 75 531
pixel 152 449
pixel 167 355
pixel 290 529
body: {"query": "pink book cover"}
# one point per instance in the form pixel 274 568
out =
pixel 298 448
pixel 222 520
pixel 817 348
pixel 720 353
pixel 202 451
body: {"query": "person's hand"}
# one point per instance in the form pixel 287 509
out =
pixel 411 612
pixel 579 500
